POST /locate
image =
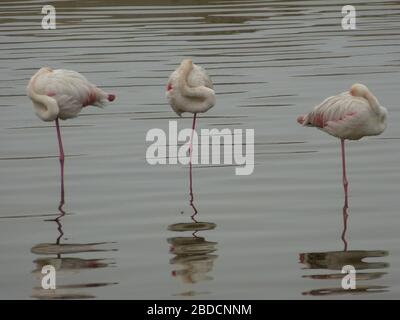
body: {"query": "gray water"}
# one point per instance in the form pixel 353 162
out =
pixel 127 231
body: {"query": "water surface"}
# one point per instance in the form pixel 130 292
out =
pixel 127 231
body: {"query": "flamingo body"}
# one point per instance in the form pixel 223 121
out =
pixel 63 93
pixel 190 89
pixel 349 115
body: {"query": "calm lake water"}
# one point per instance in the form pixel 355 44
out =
pixel 127 231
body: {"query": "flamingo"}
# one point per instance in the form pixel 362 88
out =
pixel 190 89
pixel 61 94
pixel 349 115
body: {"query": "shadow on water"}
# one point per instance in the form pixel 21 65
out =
pixel 193 255
pixel 336 260
pixel 54 254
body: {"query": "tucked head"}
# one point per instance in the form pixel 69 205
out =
pixel 358 90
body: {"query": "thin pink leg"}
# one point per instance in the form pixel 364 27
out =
pixel 190 171
pixel 61 157
pixel 191 138
pixel 345 182
pixel 346 196
pixel 191 193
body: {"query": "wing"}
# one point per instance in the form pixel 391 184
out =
pixel 69 106
pixel 199 77
pixel 68 85
pixel 207 80
pixel 350 126
pixel 70 89
pixel 335 108
pixel 342 116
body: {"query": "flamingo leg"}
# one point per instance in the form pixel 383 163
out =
pixel 61 158
pixel 191 138
pixel 345 182
pixel 190 170
pixel 191 193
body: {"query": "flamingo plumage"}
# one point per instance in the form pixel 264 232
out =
pixel 190 89
pixel 61 94
pixel 350 115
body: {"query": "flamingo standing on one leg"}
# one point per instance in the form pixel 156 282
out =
pixel 190 89
pixel 61 94
pixel 349 115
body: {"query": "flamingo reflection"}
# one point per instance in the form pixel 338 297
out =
pixel 194 257
pixel 54 254
pixel 193 254
pixel 335 260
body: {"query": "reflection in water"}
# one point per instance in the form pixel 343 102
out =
pixel 345 217
pixel 63 264
pixel 267 59
pixel 335 260
pixel 194 254
pixel 361 289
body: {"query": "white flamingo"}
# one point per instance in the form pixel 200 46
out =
pixel 61 94
pixel 190 89
pixel 349 115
